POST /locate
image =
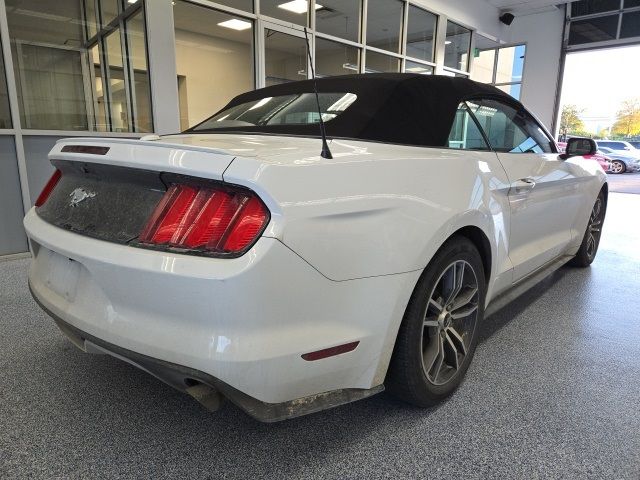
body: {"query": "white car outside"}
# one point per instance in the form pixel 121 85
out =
pixel 621 160
pixel 620 146
pixel 348 272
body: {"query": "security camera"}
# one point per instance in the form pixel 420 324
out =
pixel 506 18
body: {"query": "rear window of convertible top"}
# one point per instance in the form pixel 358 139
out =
pixel 294 109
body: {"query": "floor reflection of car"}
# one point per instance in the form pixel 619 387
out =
pixel 621 161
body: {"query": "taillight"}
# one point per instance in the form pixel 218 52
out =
pixel 207 219
pixel 48 188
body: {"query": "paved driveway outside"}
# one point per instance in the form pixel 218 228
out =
pixel 624 183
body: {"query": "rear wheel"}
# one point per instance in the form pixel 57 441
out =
pixel 591 239
pixel 439 332
pixel 618 167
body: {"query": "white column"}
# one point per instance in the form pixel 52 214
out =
pixel 441 36
pixel 162 66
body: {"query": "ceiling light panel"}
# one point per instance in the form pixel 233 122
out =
pixel 235 24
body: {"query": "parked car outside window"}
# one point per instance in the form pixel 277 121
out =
pixel 617 145
pixel 621 160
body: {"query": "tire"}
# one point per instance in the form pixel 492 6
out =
pixel 618 167
pixel 591 239
pixel 422 369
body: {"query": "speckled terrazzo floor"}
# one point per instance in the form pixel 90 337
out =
pixel 553 392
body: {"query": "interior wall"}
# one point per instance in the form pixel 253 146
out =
pixel 542 34
pixel 214 69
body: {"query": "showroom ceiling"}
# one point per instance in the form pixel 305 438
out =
pixel 526 7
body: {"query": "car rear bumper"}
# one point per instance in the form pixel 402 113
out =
pixel 244 322
pixel 181 378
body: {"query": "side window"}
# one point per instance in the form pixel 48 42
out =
pixel 508 129
pixel 465 133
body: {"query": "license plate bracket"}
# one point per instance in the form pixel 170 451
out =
pixel 62 274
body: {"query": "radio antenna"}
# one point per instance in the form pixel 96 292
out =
pixel 326 153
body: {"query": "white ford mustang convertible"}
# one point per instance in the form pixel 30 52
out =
pixel 290 264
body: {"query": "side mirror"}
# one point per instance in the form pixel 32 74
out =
pixel 580 146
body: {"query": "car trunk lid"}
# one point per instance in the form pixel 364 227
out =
pixel 110 187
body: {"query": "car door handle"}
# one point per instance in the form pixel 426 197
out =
pixel 524 185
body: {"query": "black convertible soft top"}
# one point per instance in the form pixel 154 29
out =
pixel 402 108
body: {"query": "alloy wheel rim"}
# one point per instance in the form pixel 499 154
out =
pixel 449 322
pixel 616 167
pixel 594 228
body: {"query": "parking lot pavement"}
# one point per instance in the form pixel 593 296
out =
pixel 624 183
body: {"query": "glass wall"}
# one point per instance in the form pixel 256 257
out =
pixel 334 58
pixel 347 38
pixel 483 66
pixel 500 66
pixel 339 18
pixel 48 63
pixel 415 67
pixel 214 59
pixel 73 70
pixel 141 84
pixel 379 62
pixel 384 24
pixel 510 65
pixel 421 34
pixel 456 47
pixel 285 57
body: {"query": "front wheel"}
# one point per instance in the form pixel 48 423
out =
pixel 591 239
pixel 618 167
pixel 439 331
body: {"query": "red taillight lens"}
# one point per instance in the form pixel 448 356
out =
pixel 48 188
pixel 206 219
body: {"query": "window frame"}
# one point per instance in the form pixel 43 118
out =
pixel 520 110
pixel 118 25
pixel 434 45
pixel 402 31
pixel 496 58
pixel 473 118
pixel 445 67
